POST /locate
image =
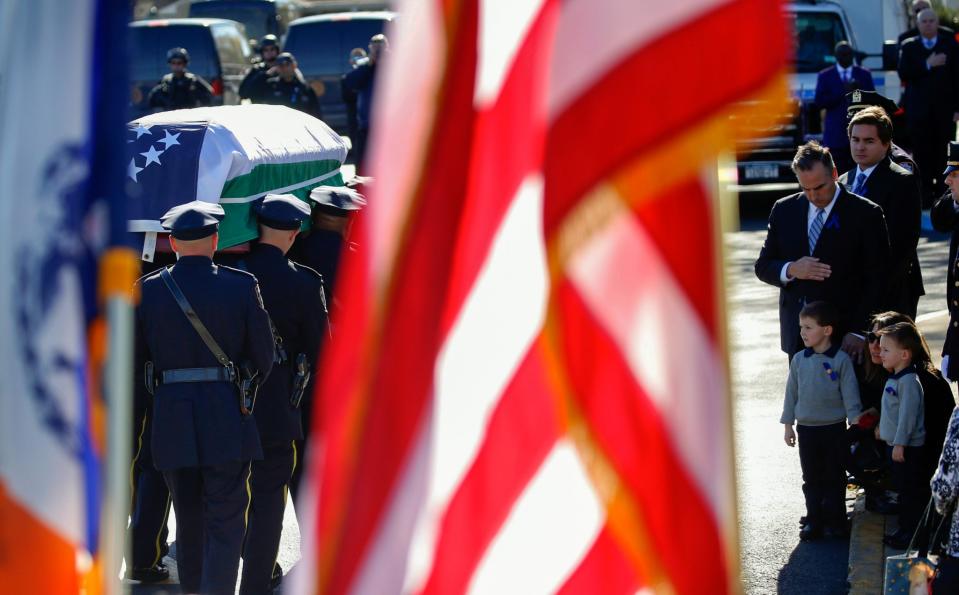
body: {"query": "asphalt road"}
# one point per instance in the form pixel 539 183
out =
pixel 768 473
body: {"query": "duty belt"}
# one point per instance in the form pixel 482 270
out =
pixel 217 374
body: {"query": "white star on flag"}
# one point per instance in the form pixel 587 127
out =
pixel 169 140
pixel 153 156
pixel 141 130
pixel 133 170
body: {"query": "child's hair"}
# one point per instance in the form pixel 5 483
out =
pixel 881 320
pixel 907 336
pixel 824 313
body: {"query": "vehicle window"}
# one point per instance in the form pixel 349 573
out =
pixel 817 33
pixel 231 44
pixel 149 45
pixel 259 18
pixel 324 47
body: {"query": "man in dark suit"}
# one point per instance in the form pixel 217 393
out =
pixel 945 218
pixel 824 243
pixel 895 190
pixel 203 438
pixel 832 85
pixel 929 69
pixel 293 296
pixel 917 7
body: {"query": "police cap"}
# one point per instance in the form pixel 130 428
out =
pixel 193 220
pixel 952 159
pixel 282 211
pixel 269 40
pixel 337 200
pixel 285 58
pixel 181 53
pixel 860 100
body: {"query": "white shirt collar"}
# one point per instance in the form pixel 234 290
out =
pixel 828 208
pixel 846 71
pixel 867 171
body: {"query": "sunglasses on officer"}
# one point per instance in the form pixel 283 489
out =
pixel 872 337
pixel 177 63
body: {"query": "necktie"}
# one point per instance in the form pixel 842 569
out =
pixel 815 229
pixel 857 188
pixel 929 43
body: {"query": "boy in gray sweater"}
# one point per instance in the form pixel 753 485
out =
pixel 821 394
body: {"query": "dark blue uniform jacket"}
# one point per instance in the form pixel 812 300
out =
pixel 292 294
pixel 200 424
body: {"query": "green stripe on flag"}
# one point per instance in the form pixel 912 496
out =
pixel 267 177
pixel 240 226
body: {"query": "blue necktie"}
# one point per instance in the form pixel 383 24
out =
pixel 857 188
pixel 815 229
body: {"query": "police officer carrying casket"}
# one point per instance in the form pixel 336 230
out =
pixel 320 249
pixel 293 295
pixel 203 341
pixel 179 89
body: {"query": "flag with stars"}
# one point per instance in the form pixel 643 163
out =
pixel 232 155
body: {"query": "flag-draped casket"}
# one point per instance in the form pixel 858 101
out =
pixel 233 155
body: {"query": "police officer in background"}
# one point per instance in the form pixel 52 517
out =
pixel 945 218
pixel 179 89
pixel 269 49
pixel 293 295
pixel 202 339
pixel 859 100
pixel 286 88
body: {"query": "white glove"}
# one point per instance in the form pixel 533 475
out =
pixel 944 366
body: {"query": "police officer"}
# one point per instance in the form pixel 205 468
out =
pixel 362 81
pixel 320 249
pixel 179 89
pixel 286 88
pixel 202 335
pixel 945 218
pixel 269 49
pixel 293 295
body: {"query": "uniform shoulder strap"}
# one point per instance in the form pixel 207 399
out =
pixel 191 315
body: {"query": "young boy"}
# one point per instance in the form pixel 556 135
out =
pixel 902 422
pixel 821 395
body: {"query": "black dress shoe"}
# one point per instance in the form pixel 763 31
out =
pixel 809 532
pixel 882 506
pixel 157 574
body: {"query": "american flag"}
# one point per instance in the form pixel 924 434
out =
pixel 529 388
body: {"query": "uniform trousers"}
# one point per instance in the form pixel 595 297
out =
pixel 151 499
pixel 211 506
pixel 269 487
pixel 823 476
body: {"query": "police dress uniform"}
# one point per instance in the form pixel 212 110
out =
pixel 293 295
pixel 151 500
pixel 321 250
pixel 945 218
pixel 201 441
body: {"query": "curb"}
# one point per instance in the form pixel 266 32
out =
pixel 866 550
